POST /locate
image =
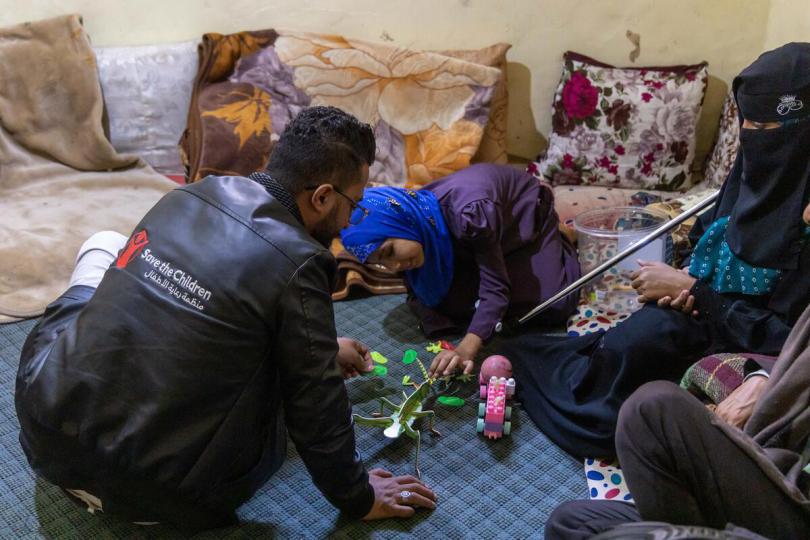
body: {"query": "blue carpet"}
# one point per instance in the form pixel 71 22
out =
pixel 500 489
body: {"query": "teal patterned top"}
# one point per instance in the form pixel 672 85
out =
pixel 714 263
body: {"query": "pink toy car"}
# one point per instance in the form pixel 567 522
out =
pixel 497 387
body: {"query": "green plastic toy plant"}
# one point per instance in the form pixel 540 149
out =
pixel 404 414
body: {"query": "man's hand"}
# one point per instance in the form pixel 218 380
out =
pixel 353 358
pixel 657 280
pixel 446 362
pixel 736 409
pixel 397 496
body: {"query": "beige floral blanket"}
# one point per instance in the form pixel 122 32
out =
pixel 429 111
pixel 60 178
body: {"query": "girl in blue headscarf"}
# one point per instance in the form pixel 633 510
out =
pixel 405 229
pixel 476 247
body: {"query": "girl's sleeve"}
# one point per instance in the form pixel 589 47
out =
pixel 480 227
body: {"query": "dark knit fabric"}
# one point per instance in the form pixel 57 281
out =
pixel 278 192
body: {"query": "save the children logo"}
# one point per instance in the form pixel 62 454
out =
pixel 788 103
pixel 133 248
pixel 162 273
pixel 174 280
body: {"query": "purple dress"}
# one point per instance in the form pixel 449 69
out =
pixel 509 253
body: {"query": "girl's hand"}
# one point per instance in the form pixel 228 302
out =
pixel 447 362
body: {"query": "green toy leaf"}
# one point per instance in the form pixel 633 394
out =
pixel 451 401
pixel 378 371
pixel 410 357
pixel 406 380
pixel 377 357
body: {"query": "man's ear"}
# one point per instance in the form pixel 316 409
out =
pixel 322 198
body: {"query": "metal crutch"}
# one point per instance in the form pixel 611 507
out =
pixel 599 270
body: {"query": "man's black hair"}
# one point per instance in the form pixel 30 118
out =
pixel 321 145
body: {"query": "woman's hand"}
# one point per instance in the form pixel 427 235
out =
pixel 684 302
pixel 657 280
pixel 736 409
pixel 446 362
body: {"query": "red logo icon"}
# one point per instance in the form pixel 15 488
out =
pixel 133 248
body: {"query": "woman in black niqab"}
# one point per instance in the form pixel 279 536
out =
pixel 572 388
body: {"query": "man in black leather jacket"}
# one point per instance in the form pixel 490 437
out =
pixel 158 395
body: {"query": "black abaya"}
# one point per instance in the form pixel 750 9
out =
pixel 572 388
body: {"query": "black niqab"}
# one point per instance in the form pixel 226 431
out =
pixel 768 187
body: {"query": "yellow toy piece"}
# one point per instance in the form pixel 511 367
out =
pixel 434 348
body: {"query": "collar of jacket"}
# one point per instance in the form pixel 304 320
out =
pixel 279 192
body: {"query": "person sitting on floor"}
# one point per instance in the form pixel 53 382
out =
pixel 476 247
pixel 688 466
pixel 153 388
pixel 749 278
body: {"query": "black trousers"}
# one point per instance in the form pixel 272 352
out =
pixel 681 469
pixel 579 520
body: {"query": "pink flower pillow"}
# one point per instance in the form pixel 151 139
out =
pixel 624 127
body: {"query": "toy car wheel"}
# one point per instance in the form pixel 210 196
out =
pixel 507 428
pixel 507 413
pixel 482 410
pixel 483 392
pixel 479 426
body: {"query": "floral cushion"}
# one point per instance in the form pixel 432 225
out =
pixel 624 127
pixel 720 161
pixel 428 111
pixel 146 95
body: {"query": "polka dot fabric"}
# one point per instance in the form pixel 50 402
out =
pixel 714 263
pixel 590 318
pixel 606 481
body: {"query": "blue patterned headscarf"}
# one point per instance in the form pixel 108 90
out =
pixel 412 215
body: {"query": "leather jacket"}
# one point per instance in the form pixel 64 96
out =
pixel 163 396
